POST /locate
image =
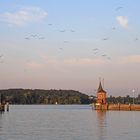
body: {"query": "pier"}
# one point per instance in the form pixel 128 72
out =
pixel 4 107
pixel 125 107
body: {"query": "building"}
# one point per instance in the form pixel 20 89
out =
pixel 101 95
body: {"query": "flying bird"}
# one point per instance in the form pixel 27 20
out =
pixel 118 8
pixel 113 28
pixel 50 24
pixel 105 38
pixel 72 30
pixel 136 39
pixel 62 31
pixel 66 41
pixel 1 58
pixel 1 55
pixel 104 55
pixel 27 38
pixel 60 48
pixel 95 49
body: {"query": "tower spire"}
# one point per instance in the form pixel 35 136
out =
pixel 100 88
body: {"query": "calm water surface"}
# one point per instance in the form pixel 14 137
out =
pixel 68 122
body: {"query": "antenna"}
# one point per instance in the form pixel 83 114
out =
pixel 99 79
pixel 103 82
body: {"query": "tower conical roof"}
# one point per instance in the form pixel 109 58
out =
pixel 100 89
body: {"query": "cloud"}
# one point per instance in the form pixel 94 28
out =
pixel 24 16
pixel 123 21
pixel 134 59
pixel 74 62
pixel 49 62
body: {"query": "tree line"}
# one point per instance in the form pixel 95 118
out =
pixel 124 100
pixel 38 96
pixel 120 99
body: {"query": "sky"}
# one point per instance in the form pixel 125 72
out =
pixel 59 44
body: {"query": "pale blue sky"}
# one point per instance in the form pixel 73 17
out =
pixel 69 44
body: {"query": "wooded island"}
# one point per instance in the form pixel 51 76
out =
pixel 52 96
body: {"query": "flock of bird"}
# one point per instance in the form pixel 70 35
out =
pixel 39 37
pixel 95 50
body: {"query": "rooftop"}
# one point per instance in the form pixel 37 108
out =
pixel 100 89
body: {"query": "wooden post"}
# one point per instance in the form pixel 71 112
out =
pixel 2 107
pixel 7 107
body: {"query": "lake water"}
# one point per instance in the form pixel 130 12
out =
pixel 68 122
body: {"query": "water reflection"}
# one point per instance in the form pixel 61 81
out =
pixel 101 124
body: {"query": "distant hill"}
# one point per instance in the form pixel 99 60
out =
pixel 39 96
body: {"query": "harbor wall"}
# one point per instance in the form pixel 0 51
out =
pixel 125 107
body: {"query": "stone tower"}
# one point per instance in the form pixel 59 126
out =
pixel 101 95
